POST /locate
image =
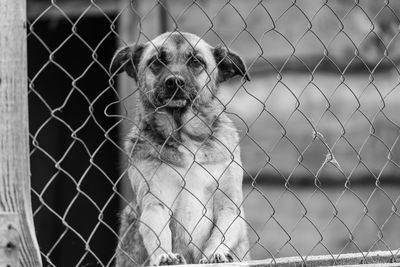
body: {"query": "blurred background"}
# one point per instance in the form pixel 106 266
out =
pixel 319 121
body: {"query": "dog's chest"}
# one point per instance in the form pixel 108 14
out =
pixel 199 181
pixel 193 212
pixel 208 153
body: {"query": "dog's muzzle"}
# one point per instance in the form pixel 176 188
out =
pixel 175 95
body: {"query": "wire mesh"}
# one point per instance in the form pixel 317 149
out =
pixel 318 126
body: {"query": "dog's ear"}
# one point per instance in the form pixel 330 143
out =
pixel 229 64
pixel 127 59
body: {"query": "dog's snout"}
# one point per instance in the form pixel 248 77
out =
pixel 174 82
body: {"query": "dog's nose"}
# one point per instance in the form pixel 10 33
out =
pixel 172 83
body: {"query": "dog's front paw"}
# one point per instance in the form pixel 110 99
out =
pixel 217 257
pixel 170 259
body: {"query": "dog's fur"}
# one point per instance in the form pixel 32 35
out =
pixel 185 168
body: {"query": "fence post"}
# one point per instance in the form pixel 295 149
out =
pixel 18 244
pixel 163 11
pixel 128 30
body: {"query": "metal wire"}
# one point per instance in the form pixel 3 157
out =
pixel 318 132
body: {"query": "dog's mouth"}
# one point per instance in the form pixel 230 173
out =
pixel 175 100
pixel 175 103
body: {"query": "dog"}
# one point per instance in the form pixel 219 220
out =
pixel 185 167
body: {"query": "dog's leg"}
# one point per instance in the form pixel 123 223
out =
pixel 156 234
pixel 229 228
pixel 131 251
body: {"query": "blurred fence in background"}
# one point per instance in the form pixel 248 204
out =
pixel 319 122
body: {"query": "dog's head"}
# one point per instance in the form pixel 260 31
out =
pixel 177 69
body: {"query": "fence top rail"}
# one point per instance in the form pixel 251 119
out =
pixel 369 259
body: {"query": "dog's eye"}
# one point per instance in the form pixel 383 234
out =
pixel 155 63
pixel 196 62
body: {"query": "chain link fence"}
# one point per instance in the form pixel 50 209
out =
pixel 318 124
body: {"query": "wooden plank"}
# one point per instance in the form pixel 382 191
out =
pixel 373 265
pixel 128 32
pixel 14 146
pixel 371 259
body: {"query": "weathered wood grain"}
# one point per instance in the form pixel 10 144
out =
pixel 14 147
pixel 9 239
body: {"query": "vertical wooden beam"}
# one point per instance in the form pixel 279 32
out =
pixel 128 30
pixel 14 140
pixel 163 11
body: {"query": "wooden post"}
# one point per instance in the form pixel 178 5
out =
pixel 15 200
pixel 127 29
pixel 163 11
